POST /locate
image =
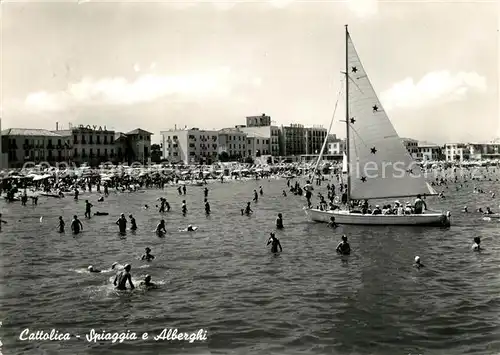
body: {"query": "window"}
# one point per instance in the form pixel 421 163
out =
pixel 105 139
pixel 111 140
pixel 98 140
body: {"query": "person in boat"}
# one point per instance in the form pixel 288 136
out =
pixel 279 221
pixel 275 243
pixel 147 283
pixel 122 223
pixel 364 207
pixel 88 207
pixel 408 209
pixel 133 225
pixel 343 248
pixel 477 244
pixel 76 225
pixel 1 222
pixel 91 268
pixel 147 255
pixel 377 210
pixel 332 223
pixel 160 228
pixel 418 264
pixel 122 278
pixel 419 205
pixel 61 225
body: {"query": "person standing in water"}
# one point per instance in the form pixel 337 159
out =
pixel 1 222
pixel 207 207
pixel 122 278
pixel 255 196
pixel 133 225
pixel 184 208
pixel 261 191
pixel 88 207
pixel 343 248
pixel 248 209
pixel 160 228
pixel 275 243
pixel 76 225
pixel 61 224
pixel 122 224
pixel 205 191
pixel 76 193
pixel 279 221
pixel 184 189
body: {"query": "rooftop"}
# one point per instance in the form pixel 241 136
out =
pixel 29 132
pixel 139 131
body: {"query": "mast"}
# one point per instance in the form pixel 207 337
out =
pixel 347 117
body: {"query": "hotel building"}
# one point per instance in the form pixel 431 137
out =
pixel 429 151
pixel 191 146
pixel 34 146
pixel 314 139
pixel 92 144
pixel 233 142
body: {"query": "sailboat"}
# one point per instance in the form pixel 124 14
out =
pixel 378 165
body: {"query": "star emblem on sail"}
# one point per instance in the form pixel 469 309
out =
pixel 374 142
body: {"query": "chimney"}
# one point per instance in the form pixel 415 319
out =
pixel 57 126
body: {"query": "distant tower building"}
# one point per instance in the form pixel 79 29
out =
pixel 258 121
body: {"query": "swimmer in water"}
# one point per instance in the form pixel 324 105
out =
pixel 332 223
pixel 61 225
pixel 418 264
pixel 147 283
pixel 122 278
pixel 465 210
pixel 343 248
pixel 279 221
pixel 477 244
pixel 76 225
pixel 147 256
pixel 100 199
pixel 190 228
pixel 146 207
pixel 122 223
pixel 116 266
pixel 160 228
pixel 275 243
pixel 92 269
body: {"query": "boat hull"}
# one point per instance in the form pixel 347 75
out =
pixel 429 218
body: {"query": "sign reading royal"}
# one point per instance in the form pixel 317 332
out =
pixel 93 128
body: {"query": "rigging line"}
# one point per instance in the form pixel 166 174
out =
pixel 330 127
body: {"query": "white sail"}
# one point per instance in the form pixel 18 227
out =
pixel 380 166
pixel 344 164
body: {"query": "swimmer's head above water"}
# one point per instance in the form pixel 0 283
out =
pixel 417 260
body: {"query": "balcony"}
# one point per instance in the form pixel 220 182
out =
pixel 50 146
pixel 84 141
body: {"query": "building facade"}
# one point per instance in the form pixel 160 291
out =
pixel 34 146
pixel 455 151
pixel 191 146
pixel 92 144
pixel 259 121
pixel 337 147
pixel 139 144
pixel 411 146
pixel 293 140
pixel 314 138
pixel 266 140
pixel 429 151
pixel 233 142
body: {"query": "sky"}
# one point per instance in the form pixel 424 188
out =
pixel 208 64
